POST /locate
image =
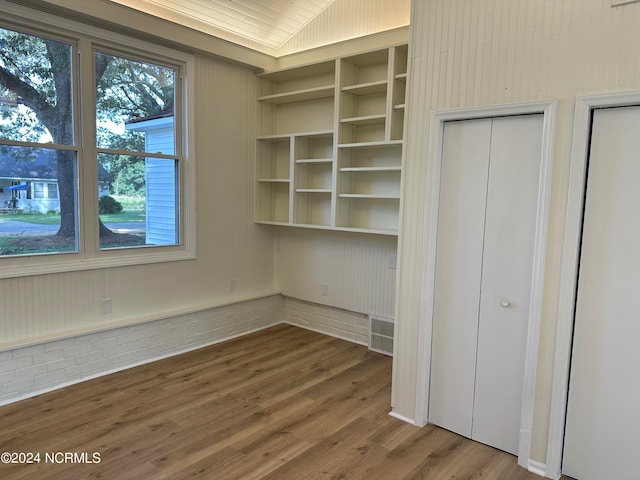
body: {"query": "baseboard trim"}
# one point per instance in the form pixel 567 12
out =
pixel 134 364
pixel 402 417
pixel 536 467
pixel 50 365
pixel 326 332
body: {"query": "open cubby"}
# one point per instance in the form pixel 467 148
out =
pixel 330 150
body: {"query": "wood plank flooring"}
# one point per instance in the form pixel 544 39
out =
pixel 284 403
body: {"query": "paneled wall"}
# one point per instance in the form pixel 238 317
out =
pixel 490 52
pixel 358 269
pixel 347 19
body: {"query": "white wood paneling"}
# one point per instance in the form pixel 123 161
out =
pixel 358 269
pixel 259 24
pixel 347 19
pixel 492 52
pixel 332 321
pixel 280 27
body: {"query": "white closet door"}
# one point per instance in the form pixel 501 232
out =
pixel 516 149
pixel 486 226
pixel 463 189
pixel 603 412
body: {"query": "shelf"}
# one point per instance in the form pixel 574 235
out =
pixel 315 160
pixel 365 120
pixel 269 222
pixel 279 137
pixel 300 72
pixel 371 144
pixel 331 127
pixel 371 169
pixel 368 231
pixel 315 133
pixel 299 95
pixel 369 196
pixel 366 88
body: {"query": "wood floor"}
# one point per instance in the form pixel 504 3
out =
pixel 285 403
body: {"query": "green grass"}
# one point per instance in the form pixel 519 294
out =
pixel 134 211
pixel 38 218
pixel 123 217
pixel 43 219
pixel 12 245
pixel 131 204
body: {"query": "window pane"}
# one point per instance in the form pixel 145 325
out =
pixel 31 219
pixel 138 201
pixel 35 93
pixel 135 105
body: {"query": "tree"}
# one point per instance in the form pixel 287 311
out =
pixel 36 74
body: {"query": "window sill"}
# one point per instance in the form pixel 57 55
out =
pixel 73 262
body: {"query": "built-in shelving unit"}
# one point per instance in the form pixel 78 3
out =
pixel 330 151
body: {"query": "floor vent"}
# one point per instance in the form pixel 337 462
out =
pixel 381 334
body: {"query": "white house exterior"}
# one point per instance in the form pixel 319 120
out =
pixel 160 180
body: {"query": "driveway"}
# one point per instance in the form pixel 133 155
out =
pixel 13 227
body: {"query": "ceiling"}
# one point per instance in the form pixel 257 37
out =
pixel 264 25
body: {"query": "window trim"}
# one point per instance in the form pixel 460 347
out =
pixel 85 39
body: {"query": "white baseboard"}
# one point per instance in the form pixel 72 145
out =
pixel 50 365
pixel 402 417
pixel 536 467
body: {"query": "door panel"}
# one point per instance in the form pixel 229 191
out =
pixel 516 149
pixel 463 189
pixel 603 418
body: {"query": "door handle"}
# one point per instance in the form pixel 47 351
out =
pixel 505 303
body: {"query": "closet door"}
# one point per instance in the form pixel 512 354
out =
pixel 486 229
pixel 512 197
pixel 463 190
pixel 603 414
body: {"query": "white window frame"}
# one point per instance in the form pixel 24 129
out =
pixel 87 38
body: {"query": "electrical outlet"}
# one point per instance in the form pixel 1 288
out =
pixel 324 289
pixel 392 262
pixel 232 285
pixel 106 306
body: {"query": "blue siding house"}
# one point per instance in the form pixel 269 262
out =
pixel 160 179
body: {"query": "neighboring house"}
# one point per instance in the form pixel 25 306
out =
pixel 160 179
pixel 31 184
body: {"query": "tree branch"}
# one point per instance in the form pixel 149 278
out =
pixel 29 95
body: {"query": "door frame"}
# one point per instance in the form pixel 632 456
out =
pixel 585 105
pixel 429 239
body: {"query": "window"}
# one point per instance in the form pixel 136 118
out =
pixel 135 119
pixel 126 142
pixel 44 190
pixel 38 139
